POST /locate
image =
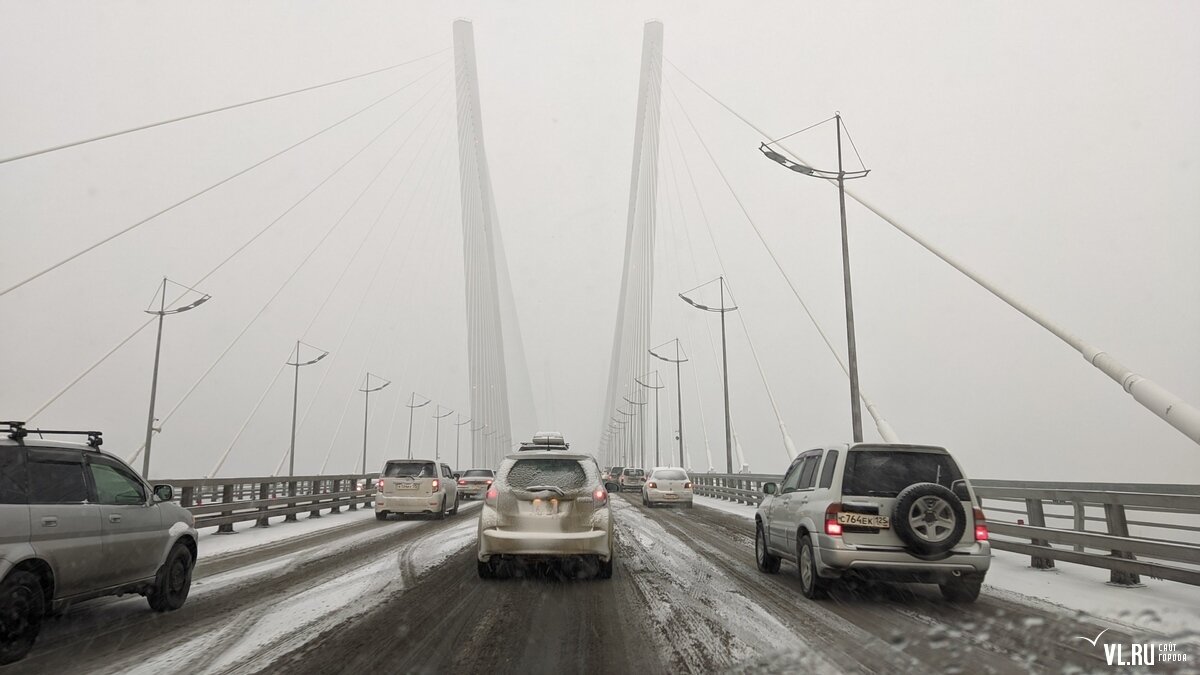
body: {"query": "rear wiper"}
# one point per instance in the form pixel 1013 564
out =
pixel 546 488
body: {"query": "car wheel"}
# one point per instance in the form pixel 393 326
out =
pixel 766 562
pixel 811 584
pixel 22 606
pixel 441 512
pixel 486 569
pixel 454 511
pixel 606 568
pixel 173 581
pixel 963 589
pixel 381 515
pixel 929 518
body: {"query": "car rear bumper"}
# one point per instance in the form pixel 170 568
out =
pixel 668 496
pixel 408 504
pixel 495 541
pixel 472 489
pixel 896 565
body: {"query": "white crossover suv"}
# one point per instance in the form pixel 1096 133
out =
pixel 415 486
pixel 77 523
pixel 667 485
pixel 891 512
pixel 547 504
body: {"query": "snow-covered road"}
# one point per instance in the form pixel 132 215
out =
pixel 349 593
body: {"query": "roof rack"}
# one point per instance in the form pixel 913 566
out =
pixel 17 432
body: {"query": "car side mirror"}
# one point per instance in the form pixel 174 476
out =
pixel 770 488
pixel 164 493
pixel 456 475
pixel 959 488
pixel 612 487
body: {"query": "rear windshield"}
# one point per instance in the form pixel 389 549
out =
pixel 567 474
pixel 634 472
pixel 670 474
pixel 478 473
pixel 882 473
pixel 410 470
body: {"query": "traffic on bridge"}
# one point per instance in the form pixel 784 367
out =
pixel 346 336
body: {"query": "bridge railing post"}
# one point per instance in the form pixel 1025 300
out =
pixel 227 491
pixel 1080 521
pixel 353 482
pixel 263 493
pixel 1118 526
pixel 314 489
pixel 1037 518
pixel 336 487
pixel 186 498
pixel 291 493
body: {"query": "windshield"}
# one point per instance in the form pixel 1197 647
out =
pixel 567 474
pixel 882 473
pixel 670 474
pixel 477 473
pixel 634 472
pixel 410 470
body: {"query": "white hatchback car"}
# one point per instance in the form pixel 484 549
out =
pixel 667 485
pixel 415 486
pixel 883 511
pixel 547 504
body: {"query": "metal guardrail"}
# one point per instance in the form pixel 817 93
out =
pixel 1164 514
pixel 221 502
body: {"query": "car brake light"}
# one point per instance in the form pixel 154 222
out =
pixel 832 527
pixel 687 485
pixel 489 481
pixel 651 484
pixel 379 484
pixel 492 495
pixel 981 530
pixel 600 497
pixel 462 481
pixel 437 485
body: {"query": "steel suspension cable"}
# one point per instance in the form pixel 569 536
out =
pixel 208 189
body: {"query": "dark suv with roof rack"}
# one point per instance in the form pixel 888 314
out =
pixel 77 523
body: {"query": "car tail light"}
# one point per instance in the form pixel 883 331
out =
pixel 492 496
pixel 437 485
pixel 687 485
pixel 651 484
pixel 600 497
pixel 379 484
pixel 462 481
pixel 489 481
pixel 981 531
pixel 832 527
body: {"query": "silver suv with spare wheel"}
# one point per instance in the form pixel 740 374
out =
pixel 889 512
pixel 77 523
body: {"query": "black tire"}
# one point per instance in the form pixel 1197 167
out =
pixel 645 502
pixel 963 589
pixel 454 511
pixel 173 581
pixel 929 518
pixel 381 515
pixel 441 512
pixel 811 584
pixel 766 562
pixel 606 568
pixel 487 570
pixel 22 607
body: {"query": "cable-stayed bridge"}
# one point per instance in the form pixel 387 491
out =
pixel 384 295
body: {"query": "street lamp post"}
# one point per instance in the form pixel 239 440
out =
pixel 724 364
pixel 412 405
pixel 291 517
pixel 367 389
pixel 161 312
pixel 678 390
pixel 458 439
pixel 437 434
pixel 641 428
pixel 841 176
pixel 655 388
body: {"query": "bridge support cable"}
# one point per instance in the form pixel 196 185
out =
pixel 634 305
pixel 789 447
pixel 235 253
pixel 192 116
pixel 881 424
pixel 1172 409
pixel 329 294
pixel 210 188
pixel 294 271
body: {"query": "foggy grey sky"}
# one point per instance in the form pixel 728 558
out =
pixel 1050 146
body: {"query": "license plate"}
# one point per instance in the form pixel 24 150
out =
pixel 670 495
pixel 545 508
pixel 406 485
pixel 863 520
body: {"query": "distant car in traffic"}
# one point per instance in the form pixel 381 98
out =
pixel 614 476
pixel 890 512
pixel 415 486
pixel 475 482
pixel 632 478
pixel 77 523
pixel 667 485
pixel 548 505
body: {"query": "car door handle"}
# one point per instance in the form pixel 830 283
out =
pixel 50 521
pixel 114 517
